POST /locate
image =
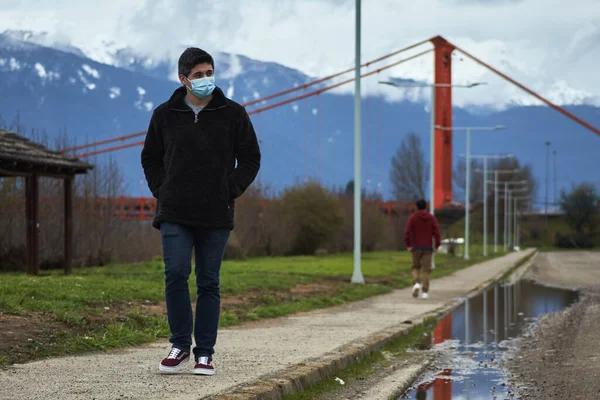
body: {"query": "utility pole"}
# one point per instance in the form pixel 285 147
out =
pixel 509 219
pixel 433 86
pixel 554 174
pixel 468 129
pixel 357 276
pixel 508 195
pixel 468 194
pixel 485 197
pixel 547 168
pixel 505 216
pixel 495 211
pixel 515 224
pixel 485 209
pixel 496 182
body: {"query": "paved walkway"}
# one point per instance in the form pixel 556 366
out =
pixel 243 354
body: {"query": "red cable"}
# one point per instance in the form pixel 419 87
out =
pixel 531 92
pixel 306 85
pixel 325 89
pixel 281 103
pixel 256 101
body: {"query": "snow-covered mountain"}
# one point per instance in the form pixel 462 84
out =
pixel 53 87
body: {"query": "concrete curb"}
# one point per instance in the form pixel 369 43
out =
pixel 299 377
pixel 520 272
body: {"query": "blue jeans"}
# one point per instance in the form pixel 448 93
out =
pixel 177 242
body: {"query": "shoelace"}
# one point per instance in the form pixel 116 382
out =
pixel 174 353
pixel 203 360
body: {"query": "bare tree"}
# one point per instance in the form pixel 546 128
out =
pixel 409 175
pixel 460 180
pixel 524 173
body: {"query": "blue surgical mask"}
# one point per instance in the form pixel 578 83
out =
pixel 202 87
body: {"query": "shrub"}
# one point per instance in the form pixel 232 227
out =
pixel 576 241
pixel 316 213
pixel 374 228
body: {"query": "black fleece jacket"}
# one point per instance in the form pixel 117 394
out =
pixel 190 164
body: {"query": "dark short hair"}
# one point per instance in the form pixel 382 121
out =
pixel 421 204
pixel 191 57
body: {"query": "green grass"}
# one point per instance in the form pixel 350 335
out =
pixel 368 365
pixel 121 305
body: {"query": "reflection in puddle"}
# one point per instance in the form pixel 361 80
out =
pixel 471 340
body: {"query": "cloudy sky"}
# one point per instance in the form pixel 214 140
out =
pixel 553 46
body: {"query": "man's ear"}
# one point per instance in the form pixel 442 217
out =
pixel 183 80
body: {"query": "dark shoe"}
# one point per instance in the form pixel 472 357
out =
pixel 175 361
pixel 204 366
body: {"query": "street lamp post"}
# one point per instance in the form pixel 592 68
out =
pixel 515 211
pixel 357 276
pixel 432 132
pixel 495 211
pixel 506 208
pixel 485 196
pixel 468 129
pixel 505 216
pixel 510 218
pixel 554 176
pixel 516 224
pixel 495 182
pixel 546 203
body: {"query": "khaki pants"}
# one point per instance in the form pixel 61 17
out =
pixel 421 262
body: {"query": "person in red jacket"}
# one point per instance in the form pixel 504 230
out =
pixel 422 238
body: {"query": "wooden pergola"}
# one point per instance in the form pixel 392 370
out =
pixel 20 157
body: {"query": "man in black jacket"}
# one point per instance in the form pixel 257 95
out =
pixel 189 159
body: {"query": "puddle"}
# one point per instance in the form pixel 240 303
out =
pixel 472 339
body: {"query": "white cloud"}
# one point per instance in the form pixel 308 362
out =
pixel 548 45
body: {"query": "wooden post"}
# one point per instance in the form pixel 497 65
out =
pixel 32 215
pixel 28 235
pixel 68 205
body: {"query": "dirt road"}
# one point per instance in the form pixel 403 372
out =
pixel 561 357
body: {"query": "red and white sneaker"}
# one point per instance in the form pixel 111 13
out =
pixel 204 366
pixel 174 361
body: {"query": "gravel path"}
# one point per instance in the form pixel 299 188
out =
pixel 561 358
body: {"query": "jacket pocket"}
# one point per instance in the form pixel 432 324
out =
pixel 226 191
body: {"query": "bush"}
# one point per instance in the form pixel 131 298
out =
pixel 581 207
pixel 278 229
pixel 576 241
pixel 374 228
pixel 316 213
